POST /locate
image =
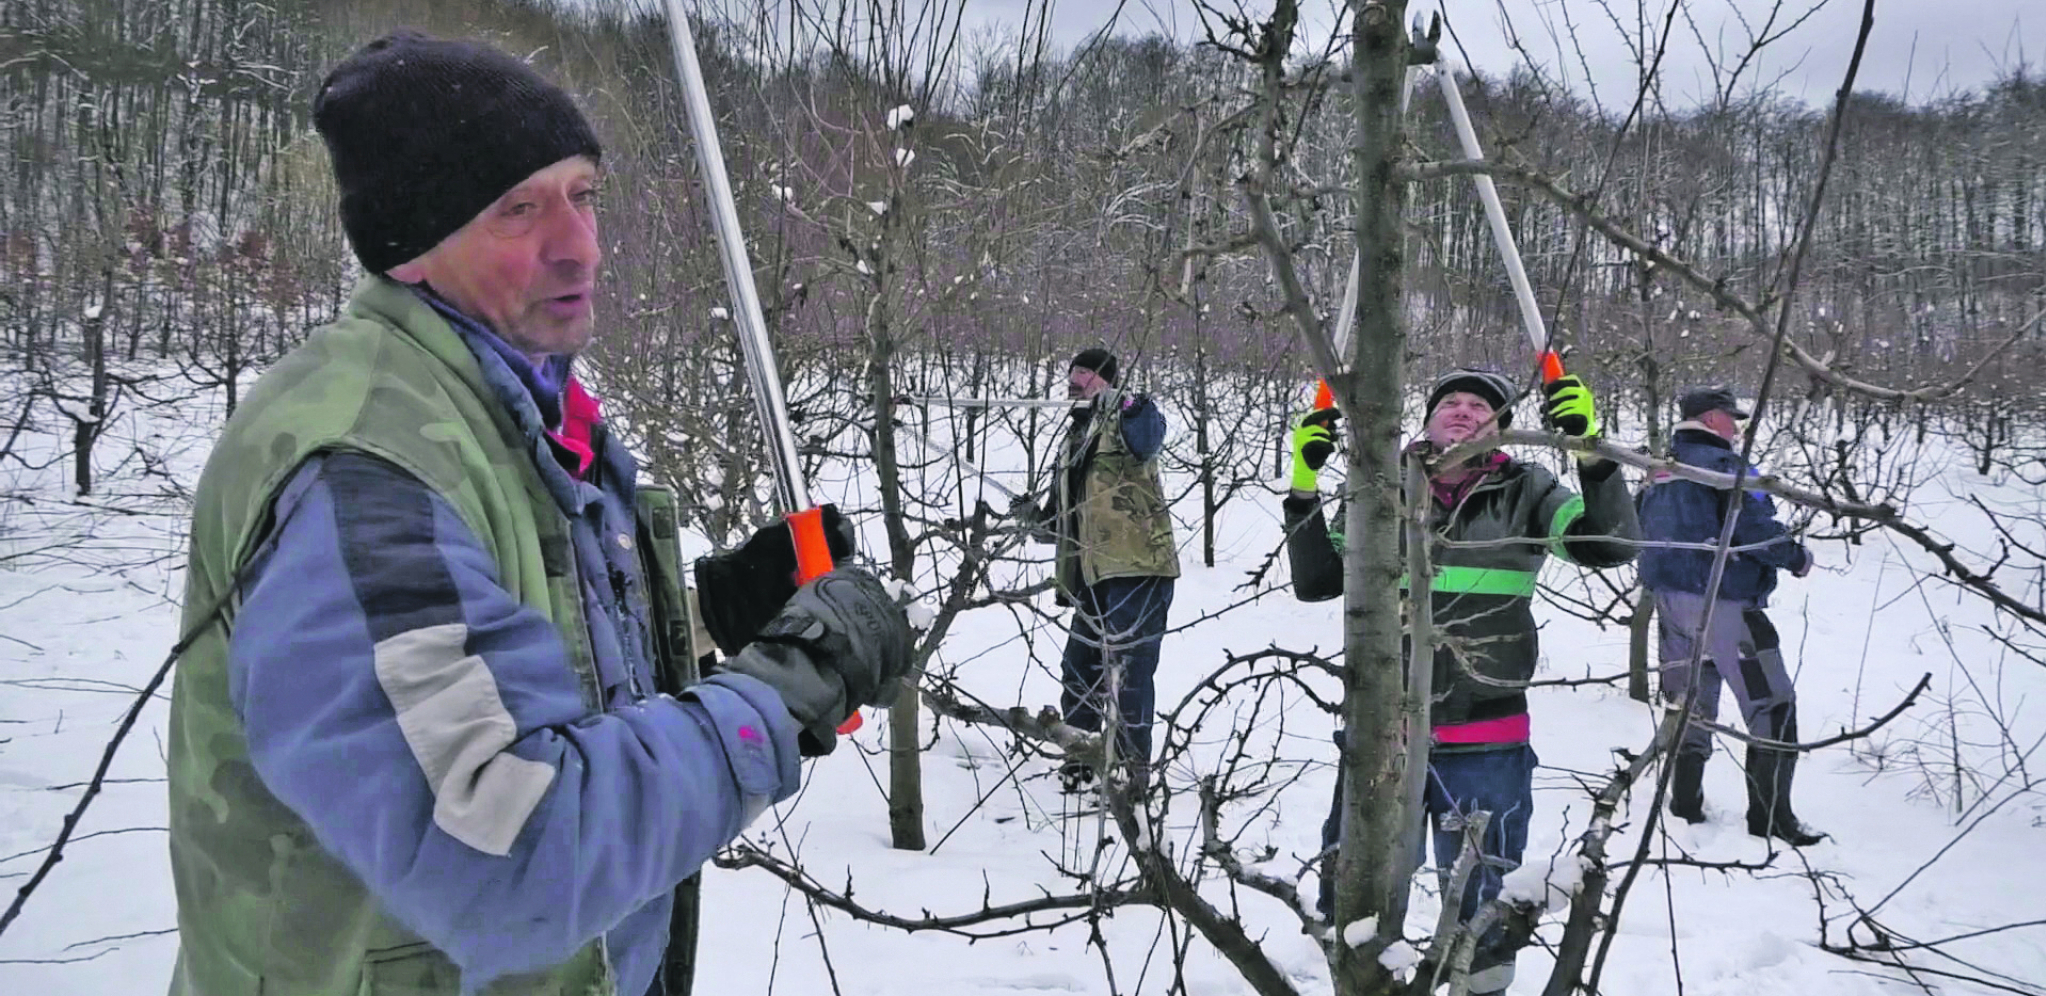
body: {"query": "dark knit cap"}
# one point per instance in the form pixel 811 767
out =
pixel 425 133
pixel 1487 384
pixel 1709 399
pixel 1099 360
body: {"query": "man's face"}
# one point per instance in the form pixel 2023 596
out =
pixel 1721 422
pixel 527 265
pixel 1083 384
pixel 1460 417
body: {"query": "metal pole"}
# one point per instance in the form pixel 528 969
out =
pixel 1346 316
pixel 768 399
pixel 1495 213
pixel 966 465
pixel 993 402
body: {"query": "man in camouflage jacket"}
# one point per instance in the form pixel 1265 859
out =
pixel 438 732
pixel 1116 558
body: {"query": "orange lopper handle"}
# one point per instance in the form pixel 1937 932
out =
pixel 813 561
pixel 813 552
pixel 1552 366
pixel 1323 397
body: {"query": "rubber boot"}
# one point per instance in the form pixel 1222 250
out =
pixel 1076 776
pixel 1687 788
pixel 1770 773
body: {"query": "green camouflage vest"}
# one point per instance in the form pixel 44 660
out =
pixel 1123 527
pixel 262 909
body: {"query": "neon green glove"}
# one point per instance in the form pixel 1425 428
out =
pixel 1569 409
pixel 1313 441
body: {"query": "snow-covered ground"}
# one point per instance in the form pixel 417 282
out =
pixel 1928 826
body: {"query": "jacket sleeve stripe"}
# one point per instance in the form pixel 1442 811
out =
pixel 1566 516
pixel 388 545
pixel 458 728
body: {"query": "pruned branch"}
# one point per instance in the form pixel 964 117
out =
pixel 1924 682
pixel 1218 850
pixel 1885 516
pixel 1582 926
pixel 1265 228
pixel 747 856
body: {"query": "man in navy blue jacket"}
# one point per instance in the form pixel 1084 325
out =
pixel 1740 647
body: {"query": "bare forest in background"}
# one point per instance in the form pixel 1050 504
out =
pixel 167 222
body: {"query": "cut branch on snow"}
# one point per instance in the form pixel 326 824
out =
pixel 748 856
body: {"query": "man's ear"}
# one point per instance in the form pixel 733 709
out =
pixel 412 271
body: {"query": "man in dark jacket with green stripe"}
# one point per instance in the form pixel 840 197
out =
pixel 1520 513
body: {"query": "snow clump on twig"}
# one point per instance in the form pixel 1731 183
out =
pixel 1360 932
pixel 1549 886
pixel 1400 959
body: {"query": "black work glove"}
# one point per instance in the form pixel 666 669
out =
pixel 739 590
pixel 1031 516
pixel 841 643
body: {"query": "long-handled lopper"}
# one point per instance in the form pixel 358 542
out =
pixel 805 520
pixel 1502 236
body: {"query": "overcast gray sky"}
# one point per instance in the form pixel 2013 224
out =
pixel 1919 48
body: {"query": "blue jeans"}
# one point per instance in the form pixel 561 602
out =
pixel 1500 782
pixel 1119 621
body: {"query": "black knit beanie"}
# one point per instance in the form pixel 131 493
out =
pixel 425 133
pixel 1099 360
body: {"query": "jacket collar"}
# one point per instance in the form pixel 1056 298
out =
pixel 544 382
pixel 467 349
pixel 1696 432
pixel 1481 472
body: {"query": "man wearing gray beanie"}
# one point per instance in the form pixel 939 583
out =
pixel 438 728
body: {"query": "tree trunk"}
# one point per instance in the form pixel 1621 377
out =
pixel 1370 882
pixel 1651 396
pixel 905 759
pixel 1405 846
pixel 86 431
pixel 1204 414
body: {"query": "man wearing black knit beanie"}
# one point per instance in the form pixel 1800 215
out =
pixel 439 727
pixel 1115 562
